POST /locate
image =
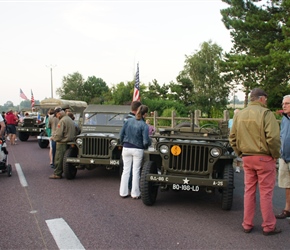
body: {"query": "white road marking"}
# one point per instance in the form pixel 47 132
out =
pixel 63 235
pixel 21 175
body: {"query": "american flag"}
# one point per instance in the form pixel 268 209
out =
pixel 32 100
pixel 22 95
pixel 136 95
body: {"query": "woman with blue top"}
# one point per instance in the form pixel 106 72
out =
pixel 134 137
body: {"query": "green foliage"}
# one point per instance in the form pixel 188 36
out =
pixel 166 113
pixel 155 91
pixel 122 93
pixel 161 105
pixel 260 54
pixel 93 90
pixel 201 79
pixel 96 91
pixel 72 87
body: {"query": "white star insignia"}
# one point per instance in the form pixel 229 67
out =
pixel 185 181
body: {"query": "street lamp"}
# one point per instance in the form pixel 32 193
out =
pixel 51 83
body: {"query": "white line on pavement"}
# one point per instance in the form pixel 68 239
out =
pixel 63 235
pixel 21 175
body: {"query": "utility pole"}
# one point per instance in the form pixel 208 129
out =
pixel 51 82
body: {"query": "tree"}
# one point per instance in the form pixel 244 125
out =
pixel 95 90
pixel 8 105
pixel 72 87
pixel 26 104
pixel 202 69
pixel 260 55
pixel 155 91
pixel 182 90
pixel 122 93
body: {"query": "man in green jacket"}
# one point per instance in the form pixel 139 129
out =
pixel 65 132
pixel 255 137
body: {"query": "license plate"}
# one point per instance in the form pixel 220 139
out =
pixel 114 162
pixel 184 187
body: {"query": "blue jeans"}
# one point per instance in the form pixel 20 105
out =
pixel 53 146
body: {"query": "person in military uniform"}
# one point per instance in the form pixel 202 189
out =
pixel 65 132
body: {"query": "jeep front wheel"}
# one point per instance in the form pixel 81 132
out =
pixel 149 189
pixel 69 169
pixel 42 143
pixel 228 192
pixel 23 136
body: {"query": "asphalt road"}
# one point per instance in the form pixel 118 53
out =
pixel 34 211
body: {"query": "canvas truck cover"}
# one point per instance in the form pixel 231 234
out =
pixel 76 106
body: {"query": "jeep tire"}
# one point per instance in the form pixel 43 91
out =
pixel 228 192
pixel 149 190
pixel 69 169
pixel 42 143
pixel 23 136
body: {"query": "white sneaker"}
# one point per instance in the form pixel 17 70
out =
pixel 238 170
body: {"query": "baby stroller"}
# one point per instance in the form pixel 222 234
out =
pixel 4 166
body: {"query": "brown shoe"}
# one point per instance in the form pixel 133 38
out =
pixel 247 231
pixel 273 232
pixel 284 214
pixel 55 177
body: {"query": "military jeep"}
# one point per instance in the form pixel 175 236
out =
pixel 98 143
pixel 31 125
pixel 189 158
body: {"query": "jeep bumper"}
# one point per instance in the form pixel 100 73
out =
pixel 92 161
pixel 171 179
pixel 23 129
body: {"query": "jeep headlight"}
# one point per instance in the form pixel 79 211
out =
pixel 114 142
pixel 215 152
pixel 79 141
pixel 164 149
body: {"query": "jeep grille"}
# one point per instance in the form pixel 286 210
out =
pixel 193 158
pixel 97 147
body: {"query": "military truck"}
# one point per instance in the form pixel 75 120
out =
pixel 30 125
pixel 190 159
pixel 76 107
pixel 98 143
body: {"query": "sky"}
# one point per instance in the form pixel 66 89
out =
pixel 105 39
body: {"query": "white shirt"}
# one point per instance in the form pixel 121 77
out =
pixel 1 118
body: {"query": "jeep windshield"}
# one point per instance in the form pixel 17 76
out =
pixel 104 119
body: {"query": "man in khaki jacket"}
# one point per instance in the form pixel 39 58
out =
pixel 65 132
pixel 255 137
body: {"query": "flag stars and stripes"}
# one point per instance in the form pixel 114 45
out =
pixel 136 95
pixel 22 95
pixel 32 100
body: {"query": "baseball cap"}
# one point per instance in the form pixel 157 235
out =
pixel 57 110
pixel 256 92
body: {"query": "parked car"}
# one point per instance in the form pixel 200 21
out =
pixel 98 143
pixel 189 159
pixel 32 124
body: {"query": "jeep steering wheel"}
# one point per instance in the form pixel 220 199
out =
pixel 210 128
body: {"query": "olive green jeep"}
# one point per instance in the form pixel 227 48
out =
pixel 30 125
pixel 98 143
pixel 189 158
